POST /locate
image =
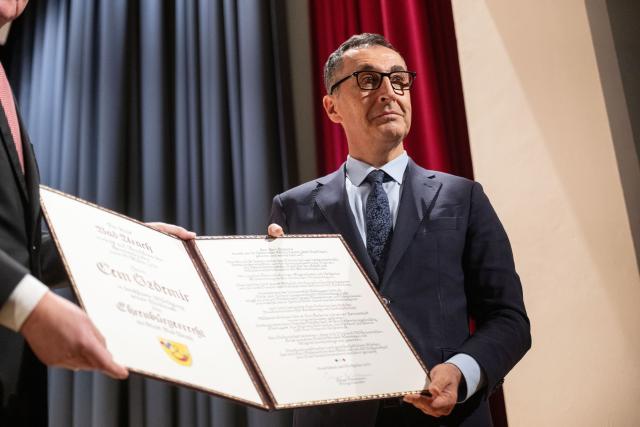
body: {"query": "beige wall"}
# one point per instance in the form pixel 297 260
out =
pixel 542 146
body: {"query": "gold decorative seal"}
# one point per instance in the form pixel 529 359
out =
pixel 176 351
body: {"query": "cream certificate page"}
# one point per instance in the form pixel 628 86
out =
pixel 314 325
pixel 144 294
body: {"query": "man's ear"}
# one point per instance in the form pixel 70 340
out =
pixel 330 107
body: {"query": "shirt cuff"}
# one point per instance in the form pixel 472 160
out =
pixel 471 372
pixel 21 302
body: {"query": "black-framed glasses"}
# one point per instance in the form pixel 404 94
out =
pixel 371 80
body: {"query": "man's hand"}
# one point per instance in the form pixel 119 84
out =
pixel 61 334
pixel 445 379
pixel 176 230
pixel 274 230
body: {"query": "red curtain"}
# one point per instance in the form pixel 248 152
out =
pixel 423 31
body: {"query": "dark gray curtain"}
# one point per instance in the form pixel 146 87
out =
pixel 170 111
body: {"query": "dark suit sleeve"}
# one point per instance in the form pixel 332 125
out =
pixel 53 271
pixel 278 215
pixel 494 293
pixel 11 273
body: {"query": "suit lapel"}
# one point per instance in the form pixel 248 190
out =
pixel 7 139
pixel 331 198
pixel 419 189
pixel 31 174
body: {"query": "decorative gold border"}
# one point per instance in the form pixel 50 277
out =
pixel 371 286
pixel 78 296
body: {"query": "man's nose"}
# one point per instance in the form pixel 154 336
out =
pixel 385 91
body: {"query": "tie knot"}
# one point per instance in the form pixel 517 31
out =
pixel 377 176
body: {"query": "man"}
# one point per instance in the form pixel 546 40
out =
pixel 57 331
pixel 430 242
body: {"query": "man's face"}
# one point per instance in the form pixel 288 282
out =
pixel 10 10
pixel 376 119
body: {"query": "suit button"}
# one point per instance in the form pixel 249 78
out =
pixel 386 301
pixel 34 247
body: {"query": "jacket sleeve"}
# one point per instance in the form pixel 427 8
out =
pixel 11 273
pixel 52 267
pixel 278 215
pixel 494 293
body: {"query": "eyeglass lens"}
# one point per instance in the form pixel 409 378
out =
pixel 370 80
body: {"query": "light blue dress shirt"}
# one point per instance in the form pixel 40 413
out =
pixel 357 193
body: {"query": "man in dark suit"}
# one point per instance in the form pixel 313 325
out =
pixel 58 333
pixel 430 242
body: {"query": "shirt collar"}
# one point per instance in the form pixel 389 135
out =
pixel 358 170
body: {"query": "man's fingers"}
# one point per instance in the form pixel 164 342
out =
pixel 94 356
pixel 105 359
pixel 440 404
pixel 414 399
pixel 444 403
pixel 176 230
pixel 436 386
pixel 440 380
pixel 274 230
pixel 422 403
pixel 112 369
pixel 442 399
pixel 91 353
pixel 60 334
pixel 98 335
pixel 98 357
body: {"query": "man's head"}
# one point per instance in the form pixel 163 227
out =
pixel 368 94
pixel 10 10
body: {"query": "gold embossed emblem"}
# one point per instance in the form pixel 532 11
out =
pixel 178 352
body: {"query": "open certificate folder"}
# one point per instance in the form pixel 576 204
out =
pixel 272 323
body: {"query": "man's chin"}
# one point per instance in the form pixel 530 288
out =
pixel 392 132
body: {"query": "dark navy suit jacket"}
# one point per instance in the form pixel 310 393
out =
pixel 23 249
pixel 449 259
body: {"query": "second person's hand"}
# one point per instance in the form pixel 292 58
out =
pixel 274 230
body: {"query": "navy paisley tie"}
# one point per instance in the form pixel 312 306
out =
pixel 378 220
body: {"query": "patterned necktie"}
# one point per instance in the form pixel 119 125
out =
pixel 9 107
pixel 378 220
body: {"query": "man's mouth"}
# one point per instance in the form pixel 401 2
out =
pixel 387 115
